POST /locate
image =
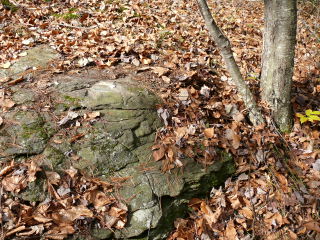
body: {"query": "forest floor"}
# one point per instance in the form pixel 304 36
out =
pixel 275 191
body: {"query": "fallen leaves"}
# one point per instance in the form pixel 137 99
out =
pixel 73 198
pixel 201 112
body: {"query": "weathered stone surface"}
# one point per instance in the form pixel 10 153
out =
pixel 37 57
pixel 23 96
pixel 26 133
pixel 117 143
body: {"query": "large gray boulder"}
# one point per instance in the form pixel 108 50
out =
pixel 117 143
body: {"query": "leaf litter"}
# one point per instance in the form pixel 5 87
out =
pixel 273 194
pixel 73 201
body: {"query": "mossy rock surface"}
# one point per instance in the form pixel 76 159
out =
pixel 116 143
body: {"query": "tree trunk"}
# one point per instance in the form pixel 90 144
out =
pixel 227 54
pixel 278 59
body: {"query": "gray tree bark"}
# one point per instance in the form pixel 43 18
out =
pixel 278 59
pixel 225 48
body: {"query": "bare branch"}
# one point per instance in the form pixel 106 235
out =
pixel 227 54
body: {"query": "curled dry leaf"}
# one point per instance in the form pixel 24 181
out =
pixel 158 152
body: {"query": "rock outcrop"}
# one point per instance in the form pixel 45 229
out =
pixel 115 143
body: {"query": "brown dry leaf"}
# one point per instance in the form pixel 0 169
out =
pixel 14 183
pixel 117 212
pixel 292 235
pixel 209 132
pixel 41 219
pixel 57 141
pixel 36 229
pixel 159 153
pixel 235 202
pixel 208 214
pixel 231 233
pixel 166 79
pixel 15 230
pixel 246 212
pixel 146 61
pixel 71 171
pixel 32 170
pixel 69 215
pixel 53 177
pixel 110 221
pixel 7 169
pixel 60 232
pixel 313 225
pixel 181 132
pixel 183 94
pixel 238 117
pixel 188 74
pixel 7 103
pixel 120 224
pixel 274 219
pixel 98 198
pixel 170 154
pixel 136 62
pixel 93 115
pixel 4 79
pixel 283 182
pixel 160 70
pixel 233 137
